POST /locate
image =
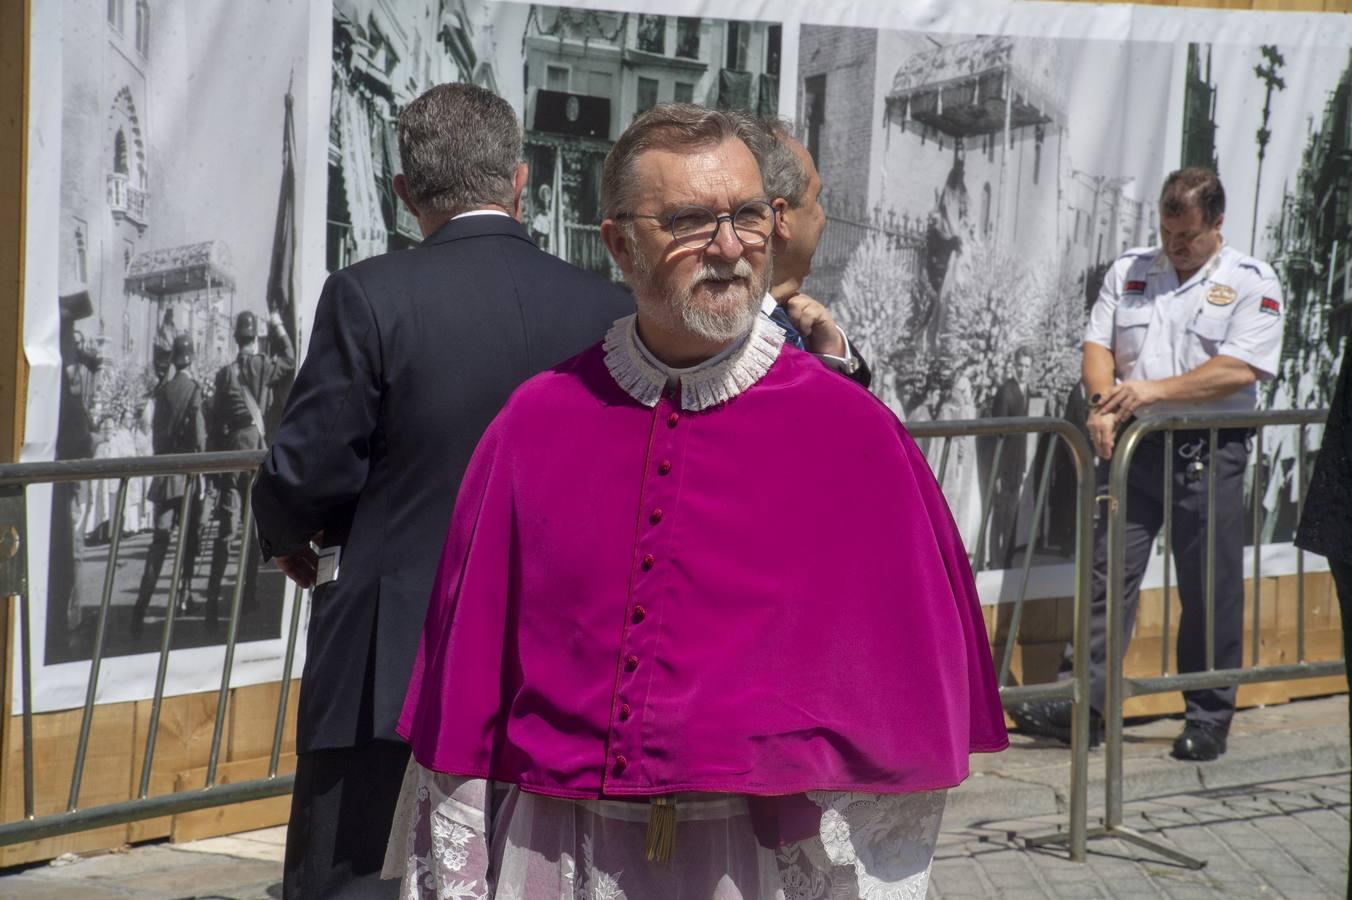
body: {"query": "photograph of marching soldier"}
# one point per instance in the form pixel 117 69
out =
pixel 176 426
pixel 243 390
pixel 157 262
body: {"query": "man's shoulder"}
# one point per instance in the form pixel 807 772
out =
pixel 1243 266
pixel 1137 259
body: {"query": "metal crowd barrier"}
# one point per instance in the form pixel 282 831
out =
pixel 143 806
pixel 1076 688
pixel 1118 687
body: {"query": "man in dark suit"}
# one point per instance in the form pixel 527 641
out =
pixel 411 355
pixel 791 181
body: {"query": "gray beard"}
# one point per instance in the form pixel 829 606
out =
pixel 674 306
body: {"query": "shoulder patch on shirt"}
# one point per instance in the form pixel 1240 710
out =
pixel 1271 306
pixel 1134 287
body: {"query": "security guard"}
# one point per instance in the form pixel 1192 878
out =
pixel 177 426
pixel 244 389
pixel 1190 326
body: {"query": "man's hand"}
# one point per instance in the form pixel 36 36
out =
pixel 1102 431
pixel 301 567
pixel 1124 399
pixel 815 324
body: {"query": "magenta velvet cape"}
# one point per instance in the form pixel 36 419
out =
pixel 765 597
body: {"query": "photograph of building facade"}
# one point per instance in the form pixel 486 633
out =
pixel 588 73
pixel 386 53
pixel 159 240
pixel 1308 240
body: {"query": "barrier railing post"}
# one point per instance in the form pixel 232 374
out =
pixel 167 635
pixel 232 633
pixel 1256 637
pixel 100 633
pixel 1168 549
pixel 1210 602
pixel 285 693
pixel 26 698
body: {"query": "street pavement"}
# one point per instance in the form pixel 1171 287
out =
pixel 1270 819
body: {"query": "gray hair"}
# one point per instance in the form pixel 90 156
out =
pixel 670 126
pixel 459 146
pixel 781 169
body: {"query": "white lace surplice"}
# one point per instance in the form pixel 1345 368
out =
pixel 870 846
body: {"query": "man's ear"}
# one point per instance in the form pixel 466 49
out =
pixel 617 242
pixel 401 191
pixel 518 186
pixel 783 227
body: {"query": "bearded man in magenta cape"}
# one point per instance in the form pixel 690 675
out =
pixel 698 590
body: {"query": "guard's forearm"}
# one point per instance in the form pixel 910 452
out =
pixel 1098 369
pixel 1217 377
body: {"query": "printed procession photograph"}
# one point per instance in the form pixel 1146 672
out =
pixel 175 313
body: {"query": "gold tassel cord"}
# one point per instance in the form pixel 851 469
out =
pixel 661 843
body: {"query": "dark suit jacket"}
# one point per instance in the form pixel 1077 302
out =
pixel 412 354
pixel 1326 524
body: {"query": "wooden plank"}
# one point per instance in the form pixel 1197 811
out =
pixel 182 743
pixel 220 820
pixel 1289 5
pixel 253 721
pixel 106 778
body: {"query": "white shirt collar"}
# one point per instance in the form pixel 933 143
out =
pixel 640 375
pixel 479 212
pixel 768 304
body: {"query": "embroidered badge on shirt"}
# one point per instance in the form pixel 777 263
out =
pixel 1271 307
pixel 1221 295
pixel 1134 287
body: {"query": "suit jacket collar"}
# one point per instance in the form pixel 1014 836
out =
pixel 477 226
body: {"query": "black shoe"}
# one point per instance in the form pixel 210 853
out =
pixel 1200 742
pixel 1053 719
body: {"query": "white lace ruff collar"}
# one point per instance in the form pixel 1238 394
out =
pixel 717 381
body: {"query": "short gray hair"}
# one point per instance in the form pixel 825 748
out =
pixel 459 146
pixel 670 126
pixel 781 169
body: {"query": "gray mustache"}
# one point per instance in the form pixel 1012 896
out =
pixel 708 272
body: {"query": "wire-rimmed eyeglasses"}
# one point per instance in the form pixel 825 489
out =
pixel 697 226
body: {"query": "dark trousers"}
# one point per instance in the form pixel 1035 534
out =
pixel 1144 519
pixel 166 519
pixel 341 811
pixel 229 515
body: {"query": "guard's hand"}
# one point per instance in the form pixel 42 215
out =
pixel 815 324
pixel 1126 398
pixel 301 567
pixel 1102 432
